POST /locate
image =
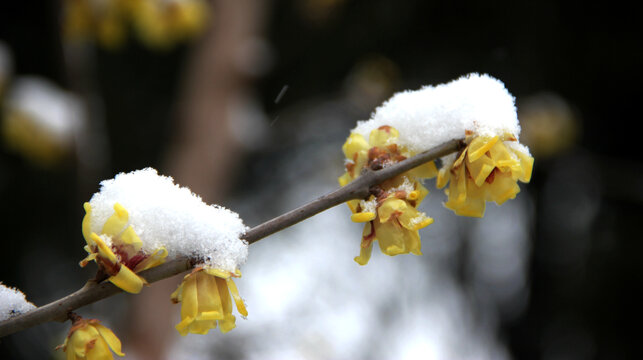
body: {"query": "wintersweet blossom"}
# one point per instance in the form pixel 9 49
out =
pixel 164 215
pixel 488 169
pixel 117 250
pixel 90 340
pixel 475 107
pixel 205 301
pixel 41 121
pixel 390 214
pixel 158 24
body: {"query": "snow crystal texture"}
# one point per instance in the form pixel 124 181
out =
pixel 433 115
pixel 13 302
pixel 165 214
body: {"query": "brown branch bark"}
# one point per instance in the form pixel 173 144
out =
pixel 93 291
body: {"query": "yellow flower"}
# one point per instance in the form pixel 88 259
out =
pixel 26 136
pixel 90 340
pixel 205 300
pixel 391 214
pixel 157 24
pixel 488 169
pixel 117 250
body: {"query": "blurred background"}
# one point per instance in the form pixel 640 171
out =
pixel 248 102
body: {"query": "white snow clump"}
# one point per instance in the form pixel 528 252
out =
pixel 165 214
pixel 433 115
pixel 53 111
pixel 13 302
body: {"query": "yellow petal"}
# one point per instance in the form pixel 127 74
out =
pixel 473 204
pixel 86 226
pixel 241 306
pixel 177 296
pixel 504 160
pixel 202 327
pixel 422 192
pixel 112 341
pixel 458 187
pixel 227 324
pixel 217 272
pixel 352 205
pixel 460 159
pixel 503 188
pixel 153 260
pixel 71 355
pixel 115 224
pixel 481 168
pixel 354 144
pixel 224 295
pixel 363 217
pixel 364 255
pixel 210 315
pixel 129 237
pixel 479 146
pixel 443 178
pixel 99 350
pixel 410 217
pixel 79 339
pixel 391 238
pixel 103 250
pixel 383 136
pixel 209 296
pixel 127 280
pixel 425 171
pixel 389 207
pixel 189 303
pixel 412 242
pixel 344 179
pixel 365 251
pixel 183 327
pixel 527 164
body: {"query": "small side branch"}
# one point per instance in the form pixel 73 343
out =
pixel 92 291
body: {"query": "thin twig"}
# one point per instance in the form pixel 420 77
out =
pixel 92 291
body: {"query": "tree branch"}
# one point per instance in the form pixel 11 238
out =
pixel 93 291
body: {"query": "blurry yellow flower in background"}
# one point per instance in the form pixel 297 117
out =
pixel 205 300
pixel 117 250
pixel 158 24
pixel 488 169
pixel 41 121
pixel 90 340
pixel 391 214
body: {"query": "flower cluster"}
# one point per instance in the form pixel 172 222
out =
pixel 476 107
pixel 90 340
pixel 129 228
pixel 488 169
pixel 117 250
pixel 390 213
pixel 157 23
pixel 205 300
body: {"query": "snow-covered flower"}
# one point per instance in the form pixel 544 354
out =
pixel 390 214
pixel 90 340
pixel 41 121
pixel 117 250
pixel 205 301
pixel 138 219
pixel 475 107
pixel 488 169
